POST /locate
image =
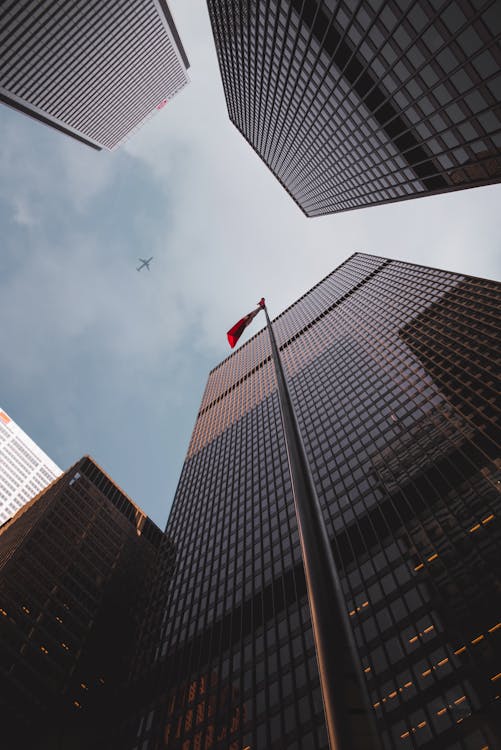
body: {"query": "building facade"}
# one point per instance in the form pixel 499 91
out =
pixel 394 374
pixel 354 104
pixel 24 468
pixel 94 71
pixel 76 566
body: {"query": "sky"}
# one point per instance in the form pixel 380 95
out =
pixel 99 359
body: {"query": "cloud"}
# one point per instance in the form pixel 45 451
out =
pixel 45 174
pixel 103 359
pixel 234 233
pixel 23 213
pixel 85 173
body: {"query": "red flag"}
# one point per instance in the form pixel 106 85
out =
pixel 237 330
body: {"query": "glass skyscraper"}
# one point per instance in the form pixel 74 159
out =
pixel 354 104
pixel 394 374
pixel 76 565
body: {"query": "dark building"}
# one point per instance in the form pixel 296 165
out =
pixel 394 371
pixel 76 567
pixel 354 104
pixel 93 70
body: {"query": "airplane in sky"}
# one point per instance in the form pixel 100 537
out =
pixel 144 263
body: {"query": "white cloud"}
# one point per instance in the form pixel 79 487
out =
pixel 85 173
pixel 23 213
pixel 234 231
pixel 91 338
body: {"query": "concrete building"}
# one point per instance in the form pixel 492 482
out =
pixel 95 71
pixel 24 468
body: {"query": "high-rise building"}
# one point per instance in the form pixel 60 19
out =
pixel 394 375
pixel 76 566
pixel 354 104
pixel 24 468
pixel 95 71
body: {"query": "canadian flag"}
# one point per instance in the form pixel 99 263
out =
pixel 237 330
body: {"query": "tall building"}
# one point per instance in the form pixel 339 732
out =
pixel 95 71
pixel 394 375
pixel 76 565
pixel 24 468
pixel 354 104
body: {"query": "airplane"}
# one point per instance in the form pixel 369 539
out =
pixel 144 263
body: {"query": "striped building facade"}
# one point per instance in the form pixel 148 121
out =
pixel 95 71
pixel 25 469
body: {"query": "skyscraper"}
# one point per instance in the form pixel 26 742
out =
pixel 24 468
pixel 357 104
pixel 394 373
pixel 76 565
pixel 95 71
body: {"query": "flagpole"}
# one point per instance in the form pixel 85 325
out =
pixel 349 726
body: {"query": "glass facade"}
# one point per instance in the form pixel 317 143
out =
pixel 356 103
pixel 394 373
pixel 76 564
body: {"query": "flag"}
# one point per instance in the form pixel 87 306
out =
pixel 237 330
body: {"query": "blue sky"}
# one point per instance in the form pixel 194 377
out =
pixel 99 359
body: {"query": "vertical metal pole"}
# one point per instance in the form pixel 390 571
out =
pixel 349 725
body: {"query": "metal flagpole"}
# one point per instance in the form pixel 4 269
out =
pixel 349 725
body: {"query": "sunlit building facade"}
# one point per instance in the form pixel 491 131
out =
pixel 355 104
pixel 76 567
pixel 94 71
pixel 394 375
pixel 24 468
